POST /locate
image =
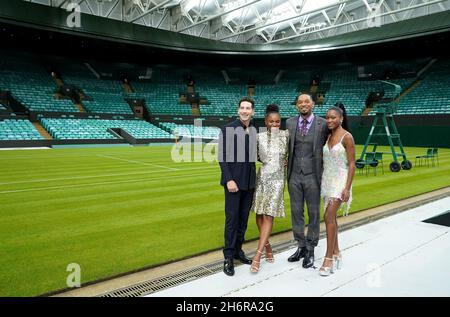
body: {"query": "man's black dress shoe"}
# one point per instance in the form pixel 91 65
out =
pixel 242 258
pixel 228 267
pixel 300 253
pixel 308 261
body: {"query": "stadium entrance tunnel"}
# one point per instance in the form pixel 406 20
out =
pixel 122 134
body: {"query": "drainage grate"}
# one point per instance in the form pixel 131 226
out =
pixel 178 278
pixel 164 282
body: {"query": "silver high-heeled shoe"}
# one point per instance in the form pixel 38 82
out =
pixel 338 261
pixel 255 268
pixel 327 270
pixel 269 255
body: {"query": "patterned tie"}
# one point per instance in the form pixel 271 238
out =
pixel 303 128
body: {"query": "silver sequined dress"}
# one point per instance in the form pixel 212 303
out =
pixel 335 172
pixel 269 193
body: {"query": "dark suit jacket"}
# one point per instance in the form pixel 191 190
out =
pixel 320 138
pixel 237 155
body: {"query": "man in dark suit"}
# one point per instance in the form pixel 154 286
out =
pixel 237 156
pixel 308 134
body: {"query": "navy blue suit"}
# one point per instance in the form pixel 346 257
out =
pixel 237 156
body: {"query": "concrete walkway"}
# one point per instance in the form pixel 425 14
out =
pixel 375 248
pixel 395 256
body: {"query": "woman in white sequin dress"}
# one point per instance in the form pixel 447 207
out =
pixel 337 178
pixel 268 201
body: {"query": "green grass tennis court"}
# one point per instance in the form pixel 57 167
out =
pixel 116 210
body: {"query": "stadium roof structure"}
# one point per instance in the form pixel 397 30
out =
pixel 257 21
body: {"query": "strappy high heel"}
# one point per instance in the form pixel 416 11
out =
pixel 254 268
pixel 270 258
pixel 338 260
pixel 327 270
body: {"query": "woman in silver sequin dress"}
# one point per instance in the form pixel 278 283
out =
pixel 268 201
pixel 338 171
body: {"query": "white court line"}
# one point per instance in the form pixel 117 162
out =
pixel 106 175
pixel 139 162
pixel 24 148
pixel 101 183
pixel 52 155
